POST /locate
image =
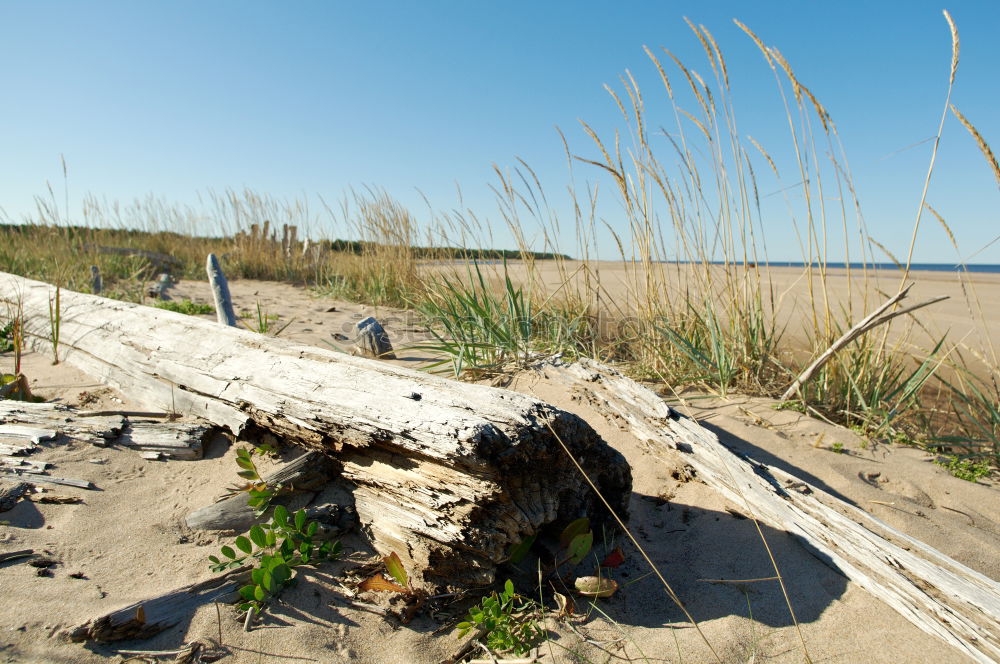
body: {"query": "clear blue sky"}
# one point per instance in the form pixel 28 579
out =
pixel 306 98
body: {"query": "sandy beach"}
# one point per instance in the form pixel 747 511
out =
pixel 127 540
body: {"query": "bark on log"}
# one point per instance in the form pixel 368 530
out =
pixel 937 594
pixel 448 475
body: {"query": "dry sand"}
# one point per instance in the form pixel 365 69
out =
pixel 129 542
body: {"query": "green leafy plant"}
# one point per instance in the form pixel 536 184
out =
pixel 259 493
pixel 966 469
pixel 185 307
pixel 837 447
pixel 277 547
pixel 794 404
pixel 7 337
pixel 508 621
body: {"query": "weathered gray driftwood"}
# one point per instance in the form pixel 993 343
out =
pixel 96 284
pixel 448 475
pixel 33 434
pixel 159 289
pixel 14 555
pixel 174 440
pixel 50 419
pixel 150 617
pixel 21 465
pixel 372 340
pixel 937 594
pixel 11 493
pixel 872 320
pixel 220 292
pixel 45 479
pixel 156 259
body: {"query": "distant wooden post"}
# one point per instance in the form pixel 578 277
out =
pixel 293 232
pixel 96 284
pixel 162 286
pixel 220 291
pixel 285 244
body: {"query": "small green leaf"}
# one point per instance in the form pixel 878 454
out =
pixel 215 560
pixel 258 536
pixel 228 552
pixel 259 593
pixel 520 550
pixel 311 530
pixel 281 515
pixel 244 544
pixel 246 592
pixel 395 568
pixel 257 576
pixel 579 547
pixel 577 527
pixel 268 581
pixel 248 474
pixel 281 574
pixel 508 588
pixel 300 519
pixel 272 538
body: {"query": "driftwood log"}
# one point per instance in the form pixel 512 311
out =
pixel 937 594
pixel 22 421
pixel 448 475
